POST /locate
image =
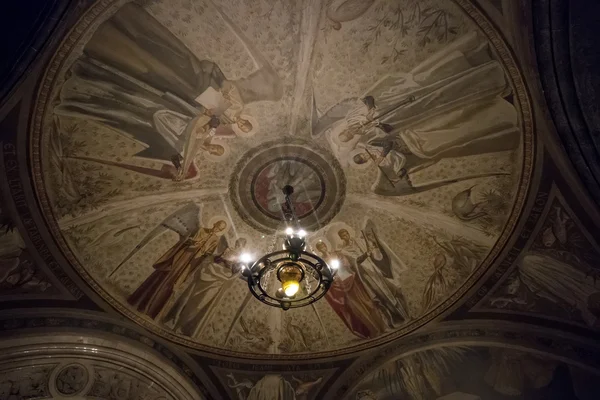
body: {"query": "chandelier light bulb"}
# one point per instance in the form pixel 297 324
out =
pixel 245 258
pixel 294 267
pixel 290 288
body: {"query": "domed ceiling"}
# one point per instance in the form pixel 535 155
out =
pixel 165 130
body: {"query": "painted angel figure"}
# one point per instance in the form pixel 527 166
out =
pixel 272 387
pixel 192 309
pixel 173 269
pixel 457 107
pixel 375 264
pixel 348 297
pixel 457 254
pixel 139 79
pixel 557 282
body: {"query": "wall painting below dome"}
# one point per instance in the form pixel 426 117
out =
pixel 557 276
pixel 476 373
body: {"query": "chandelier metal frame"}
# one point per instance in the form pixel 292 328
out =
pixel 294 260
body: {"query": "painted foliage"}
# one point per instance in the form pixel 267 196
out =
pixel 19 273
pixel 171 126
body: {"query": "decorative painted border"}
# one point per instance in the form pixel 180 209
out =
pixel 522 102
pixel 331 162
pixel 11 326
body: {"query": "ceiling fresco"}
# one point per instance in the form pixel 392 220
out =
pixel 164 131
pixel 475 372
pixel 556 276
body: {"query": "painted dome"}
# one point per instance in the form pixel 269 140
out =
pixel 165 130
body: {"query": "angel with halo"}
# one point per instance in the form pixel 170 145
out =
pixel 173 269
pixel 193 307
pixel 459 255
pixel 376 264
pixel 348 297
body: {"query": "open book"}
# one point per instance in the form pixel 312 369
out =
pixel 214 101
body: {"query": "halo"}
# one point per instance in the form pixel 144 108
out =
pixel 355 165
pixel 314 241
pixel 241 133
pixel 216 158
pixel 216 218
pixel 334 132
pixel 332 233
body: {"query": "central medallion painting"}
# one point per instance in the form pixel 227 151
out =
pixel 259 176
pixel 165 130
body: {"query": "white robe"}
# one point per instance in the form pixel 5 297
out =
pixel 382 290
pixel 272 387
pixel 458 103
pixel 559 282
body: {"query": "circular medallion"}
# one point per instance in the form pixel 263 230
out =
pixel 72 379
pixel 257 183
pixel 266 188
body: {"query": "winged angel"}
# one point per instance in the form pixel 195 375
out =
pixel 464 257
pixel 417 376
pixel 173 269
pixel 139 79
pixel 376 265
pixel 450 105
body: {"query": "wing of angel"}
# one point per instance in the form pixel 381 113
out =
pixel 332 237
pixel 389 262
pixel 335 147
pixel 185 222
pixel 222 245
pixel 466 254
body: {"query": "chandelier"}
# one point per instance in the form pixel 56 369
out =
pixel 292 277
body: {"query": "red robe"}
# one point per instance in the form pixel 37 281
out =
pixel 352 304
pixel 171 271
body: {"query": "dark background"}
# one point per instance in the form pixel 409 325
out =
pixel 25 27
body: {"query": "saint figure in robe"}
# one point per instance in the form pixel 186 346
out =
pixel 387 297
pixel 139 79
pixel 206 288
pixel 349 299
pixel 453 104
pixel 172 270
